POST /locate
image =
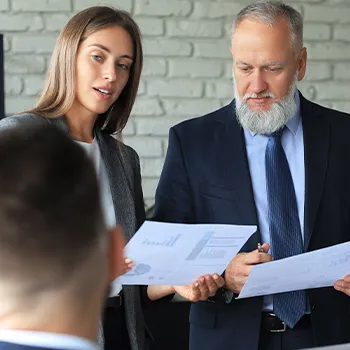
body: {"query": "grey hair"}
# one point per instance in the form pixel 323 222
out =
pixel 269 12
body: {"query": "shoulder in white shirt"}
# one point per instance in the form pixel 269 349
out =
pixel 46 340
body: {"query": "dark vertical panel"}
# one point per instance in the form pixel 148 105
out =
pixel 2 87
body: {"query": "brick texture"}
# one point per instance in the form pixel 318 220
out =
pixel 187 69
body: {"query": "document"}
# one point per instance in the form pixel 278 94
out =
pixel 177 254
pixel 333 347
pixel 320 268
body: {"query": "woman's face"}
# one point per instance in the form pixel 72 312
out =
pixel 103 66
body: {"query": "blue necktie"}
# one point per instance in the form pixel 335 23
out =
pixel 285 232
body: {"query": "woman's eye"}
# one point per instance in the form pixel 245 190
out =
pixel 96 57
pixel 123 66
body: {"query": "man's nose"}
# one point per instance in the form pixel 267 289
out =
pixel 258 83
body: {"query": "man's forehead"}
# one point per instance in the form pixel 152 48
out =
pixel 262 50
pixel 255 24
pixel 262 62
pixel 251 31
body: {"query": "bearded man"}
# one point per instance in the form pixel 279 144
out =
pixel 273 159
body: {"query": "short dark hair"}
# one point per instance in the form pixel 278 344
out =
pixel 50 212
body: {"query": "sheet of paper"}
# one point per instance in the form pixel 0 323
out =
pixel 333 347
pixel 320 268
pixel 177 254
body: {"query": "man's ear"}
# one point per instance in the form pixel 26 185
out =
pixel 302 63
pixel 116 253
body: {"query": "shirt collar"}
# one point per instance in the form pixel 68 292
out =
pixel 46 340
pixel 293 123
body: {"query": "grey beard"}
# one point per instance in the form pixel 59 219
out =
pixel 271 120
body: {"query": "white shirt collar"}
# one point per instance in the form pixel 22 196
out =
pixel 46 340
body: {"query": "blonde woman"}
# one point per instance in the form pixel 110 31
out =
pixel 90 90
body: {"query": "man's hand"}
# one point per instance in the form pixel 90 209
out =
pixel 343 285
pixel 206 286
pixel 238 270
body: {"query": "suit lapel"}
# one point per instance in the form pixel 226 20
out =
pixel 316 151
pixel 120 182
pixel 236 169
pixel 316 131
pixel 119 176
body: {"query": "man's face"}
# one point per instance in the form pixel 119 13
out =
pixel 265 63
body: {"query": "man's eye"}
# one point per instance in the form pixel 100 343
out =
pixel 274 69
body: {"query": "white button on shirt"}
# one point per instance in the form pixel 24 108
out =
pixel 93 150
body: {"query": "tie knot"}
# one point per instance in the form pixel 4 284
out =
pixel 276 134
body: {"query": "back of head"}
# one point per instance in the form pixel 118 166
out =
pixel 50 213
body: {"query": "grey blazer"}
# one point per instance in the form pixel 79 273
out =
pixel 123 170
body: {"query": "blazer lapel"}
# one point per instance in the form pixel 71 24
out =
pixel 121 180
pixel 120 183
pixel 119 174
pixel 316 151
pixel 236 168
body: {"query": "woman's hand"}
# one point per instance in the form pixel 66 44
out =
pixel 128 265
pixel 204 287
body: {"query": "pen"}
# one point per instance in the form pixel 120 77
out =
pixel 260 249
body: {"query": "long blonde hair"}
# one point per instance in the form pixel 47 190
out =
pixel 59 91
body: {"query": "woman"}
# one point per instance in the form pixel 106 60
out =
pixel 90 90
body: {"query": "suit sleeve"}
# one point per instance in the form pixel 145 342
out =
pixel 174 198
pixel 11 122
pixel 174 201
pixel 21 120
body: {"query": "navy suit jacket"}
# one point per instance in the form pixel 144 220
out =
pixel 206 179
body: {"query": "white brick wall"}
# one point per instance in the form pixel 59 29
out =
pixel 187 69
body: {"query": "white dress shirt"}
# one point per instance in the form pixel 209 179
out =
pixel 46 340
pixel 93 150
